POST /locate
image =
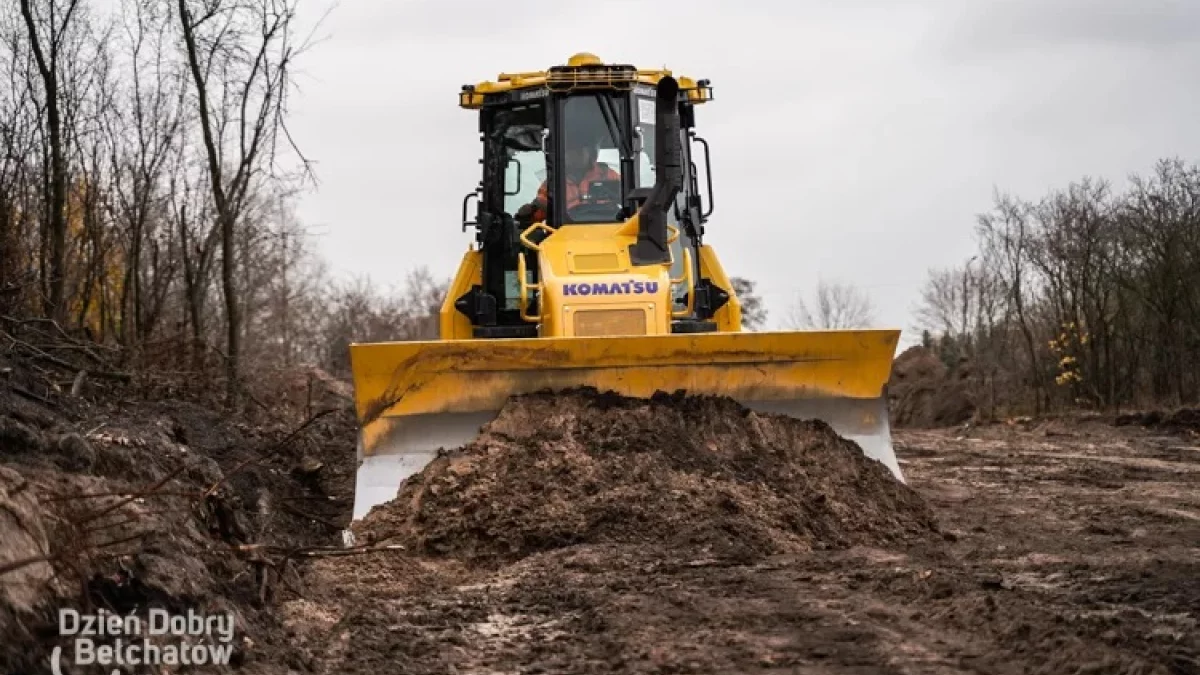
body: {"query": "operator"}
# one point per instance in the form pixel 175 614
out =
pixel 583 147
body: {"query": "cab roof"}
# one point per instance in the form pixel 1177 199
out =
pixel 582 71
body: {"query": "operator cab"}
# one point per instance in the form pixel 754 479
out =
pixel 593 181
pixel 582 137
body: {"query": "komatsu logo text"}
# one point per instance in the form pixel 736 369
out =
pixel 611 288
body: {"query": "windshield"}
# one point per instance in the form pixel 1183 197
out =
pixel 591 179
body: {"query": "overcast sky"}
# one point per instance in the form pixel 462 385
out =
pixel 853 143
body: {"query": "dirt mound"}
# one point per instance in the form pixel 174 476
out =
pixel 924 393
pixel 699 473
pixel 1180 420
pixel 136 504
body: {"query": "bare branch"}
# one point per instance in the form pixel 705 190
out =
pixel 835 306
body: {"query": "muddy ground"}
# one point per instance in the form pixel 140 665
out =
pixel 110 501
pixel 566 546
pixel 1064 547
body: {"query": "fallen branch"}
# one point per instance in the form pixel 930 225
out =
pixel 343 552
pixel 37 319
pixel 270 452
pixel 125 493
pixel 36 353
pixel 319 551
pixel 25 562
pixel 308 516
pixel 30 395
pixel 329 499
pixel 65 340
pixel 122 540
pixel 138 495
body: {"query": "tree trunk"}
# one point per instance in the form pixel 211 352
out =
pixel 57 194
pixel 225 215
pixel 232 324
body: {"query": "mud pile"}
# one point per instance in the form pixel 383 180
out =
pixel 924 393
pixel 702 474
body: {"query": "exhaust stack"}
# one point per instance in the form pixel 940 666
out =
pixel 651 247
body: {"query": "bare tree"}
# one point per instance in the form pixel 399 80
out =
pixel 239 55
pixel 835 306
pixel 144 131
pixel 358 312
pixel 49 32
pixel 754 312
pixel 944 302
pixel 1007 237
pixel 140 176
pixel 19 120
pixel 139 180
pixel 1159 230
pixel 1085 297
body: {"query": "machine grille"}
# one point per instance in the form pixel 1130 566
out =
pixel 596 262
pixel 600 322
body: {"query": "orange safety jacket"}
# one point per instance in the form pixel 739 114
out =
pixel 576 190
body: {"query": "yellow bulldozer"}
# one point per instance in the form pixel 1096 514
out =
pixel 606 282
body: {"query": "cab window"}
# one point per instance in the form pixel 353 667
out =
pixel 590 178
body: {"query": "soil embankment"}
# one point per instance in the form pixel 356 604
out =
pixel 586 533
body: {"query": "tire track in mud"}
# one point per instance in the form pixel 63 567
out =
pixel 1090 542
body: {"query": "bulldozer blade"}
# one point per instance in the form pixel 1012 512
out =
pixel 414 398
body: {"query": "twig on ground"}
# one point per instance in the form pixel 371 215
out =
pixel 30 395
pixel 308 516
pixel 138 495
pixel 342 552
pixel 320 551
pixel 117 542
pixel 269 452
pixel 102 495
pixel 25 562
pixel 36 353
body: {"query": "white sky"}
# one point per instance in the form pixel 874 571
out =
pixel 854 142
